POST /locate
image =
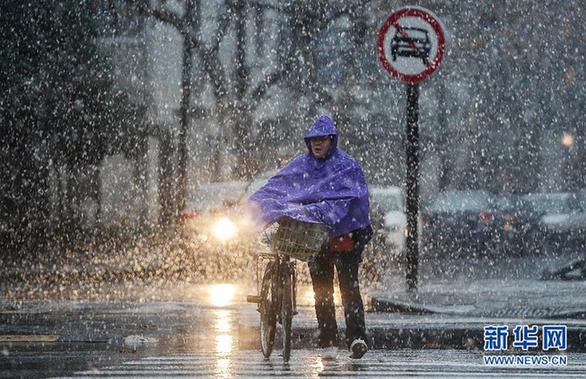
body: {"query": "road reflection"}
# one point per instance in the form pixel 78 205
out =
pixel 224 368
pixel 224 338
pixel 317 367
pixel 224 327
pixel 223 321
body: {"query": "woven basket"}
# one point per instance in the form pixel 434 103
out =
pixel 300 240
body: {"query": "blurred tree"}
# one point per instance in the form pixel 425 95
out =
pixel 499 80
pixel 241 77
pixel 184 23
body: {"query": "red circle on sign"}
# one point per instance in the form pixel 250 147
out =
pixel 441 44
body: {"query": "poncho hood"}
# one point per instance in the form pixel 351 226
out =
pixel 323 126
pixel 331 190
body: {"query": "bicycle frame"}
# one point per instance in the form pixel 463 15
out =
pixel 280 260
pixel 277 291
pixel 273 299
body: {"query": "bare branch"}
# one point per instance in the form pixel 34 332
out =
pixel 213 67
pixel 209 55
pixel 224 20
pixel 162 14
pixel 265 5
pixel 322 95
pixel 264 85
pixel 348 11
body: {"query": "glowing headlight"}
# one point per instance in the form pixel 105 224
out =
pixel 224 229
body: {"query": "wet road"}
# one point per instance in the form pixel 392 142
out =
pixel 308 363
pixel 58 337
pixel 193 331
pixel 160 329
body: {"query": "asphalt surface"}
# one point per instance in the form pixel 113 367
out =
pixel 207 331
pixel 116 316
pixel 309 363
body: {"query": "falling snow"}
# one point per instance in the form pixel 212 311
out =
pixel 129 127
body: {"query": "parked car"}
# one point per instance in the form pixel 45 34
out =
pixel 520 225
pixel 579 221
pixel 387 216
pixel 387 212
pixel 460 220
pixel 579 218
pixel 559 214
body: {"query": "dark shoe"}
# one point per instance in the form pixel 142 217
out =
pixel 358 348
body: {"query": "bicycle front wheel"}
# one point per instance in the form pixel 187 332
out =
pixel 268 310
pixel 286 310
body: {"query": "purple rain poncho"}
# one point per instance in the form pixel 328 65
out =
pixel 332 190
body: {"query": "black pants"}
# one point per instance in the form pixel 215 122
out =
pixel 322 277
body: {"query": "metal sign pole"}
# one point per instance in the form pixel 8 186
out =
pixel 412 185
pixel 410 45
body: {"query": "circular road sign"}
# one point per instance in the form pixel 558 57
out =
pixel 411 44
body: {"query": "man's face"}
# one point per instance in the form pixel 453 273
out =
pixel 320 146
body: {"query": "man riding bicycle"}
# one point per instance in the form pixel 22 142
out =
pixel 326 186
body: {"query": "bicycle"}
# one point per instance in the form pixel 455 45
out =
pixel 277 298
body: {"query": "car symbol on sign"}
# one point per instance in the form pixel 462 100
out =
pixel 411 42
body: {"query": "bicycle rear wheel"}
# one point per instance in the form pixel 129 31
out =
pixel 267 309
pixel 286 310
